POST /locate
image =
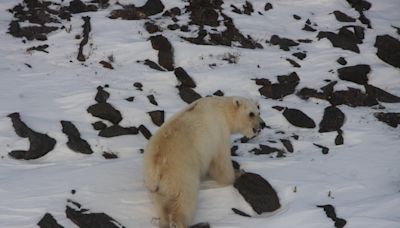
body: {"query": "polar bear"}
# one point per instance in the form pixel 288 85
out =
pixel 193 143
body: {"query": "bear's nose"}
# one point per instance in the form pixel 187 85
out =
pixel 263 125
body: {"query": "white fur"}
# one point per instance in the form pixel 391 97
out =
pixel 191 144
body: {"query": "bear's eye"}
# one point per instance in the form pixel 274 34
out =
pixel 251 114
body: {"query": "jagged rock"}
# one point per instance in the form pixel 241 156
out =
pixel 165 51
pixel 342 17
pixel 151 27
pixel 184 78
pixel 341 61
pixel 85 34
pixel 325 150
pixel 380 94
pixel 330 212
pixel 286 86
pixel 99 125
pixel 105 111
pixel 109 155
pixel 264 149
pixel 339 140
pixel 48 221
pixel 145 132
pixel 239 212
pixel 101 95
pixel 40 144
pixel 345 39
pixel 268 6
pixel 187 94
pixel 388 49
pixel 300 55
pixel 287 144
pixel 131 12
pixel 157 117
pixel 298 118
pixel 390 118
pixel 284 43
pixel 75 142
pixel 106 64
pixel 201 225
pixel 352 97
pixel 332 120
pixel 257 192
pixel 357 74
pixel 294 63
pixel 116 130
pixel 152 100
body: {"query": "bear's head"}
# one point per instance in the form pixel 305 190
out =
pixel 248 121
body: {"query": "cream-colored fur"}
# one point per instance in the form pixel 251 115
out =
pixel 191 144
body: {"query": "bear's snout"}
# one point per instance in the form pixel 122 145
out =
pixel 262 124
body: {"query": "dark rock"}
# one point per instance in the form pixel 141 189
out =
pixel 239 212
pixel 41 48
pixel 30 32
pixel 99 125
pixel 152 99
pixel 264 149
pixel 187 94
pixel 165 51
pixel 236 10
pixel 339 138
pixel 130 12
pixel 284 43
pixel 390 118
pixel 287 144
pixel 286 86
pixel 248 8
pixel 233 150
pixel 173 27
pixel 325 150
pixel 330 212
pixel 48 221
pixel 308 28
pixel 201 225
pixel 342 61
pixel 268 6
pixel 279 108
pixel 109 155
pixel 294 63
pixel 380 94
pixel 204 12
pixel 101 95
pixel 345 39
pixel 352 97
pixel 306 93
pixel 138 86
pixel 116 130
pixel 157 117
pixel 300 55
pixel 185 28
pixel 297 17
pixel 342 17
pixel 397 29
pixel 151 27
pixel 388 49
pixel 306 41
pixel 152 65
pixel 235 165
pixel 130 99
pixel 184 78
pixel 75 142
pixel 85 34
pixel 84 218
pixel 357 74
pixel 298 118
pixel 257 192
pixel 218 93
pixel 77 6
pixel 106 64
pixel 105 111
pixel 40 144
pixel 145 132
pixel 173 12
pixel 332 120
pixel 359 5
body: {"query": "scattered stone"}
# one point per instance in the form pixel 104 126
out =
pixel 28 65
pixel 77 6
pixel 105 111
pixel 165 51
pixel 218 93
pixel 184 78
pixel 99 125
pixel 284 43
pixel 306 41
pixel 131 12
pixel 85 34
pixel 101 95
pixel 297 17
pixel 325 150
pixel 106 65
pixel 352 97
pixel 268 6
pixel 73 191
pixel 173 27
pixel 201 225
pixel 233 150
pixel 48 221
pixel 390 118
pixel 138 86
pixel 380 94
pixel 286 86
pixel 152 65
pixel 151 27
pixel 235 165
pixel 330 212
pixel 397 29
pixel 30 32
pixel 294 63
pixel 84 218
pixel 152 99
pixel 357 74
pixel 308 28
pixel 75 142
pixel 130 99
pixel 173 12
pixel 298 118
pixel 157 117
pixel 388 49
pixel 287 144
pixel 300 55
pixel 345 39
pixel 332 120
pixel 109 155
pixel 187 94
pixel 279 108
pixel 239 212
pixel 339 138
pixel 257 192
pixel 40 144
pixel 264 149
pixel 248 8
pixel 145 132
pixel 342 61
pixel 116 130
pixel 342 17
pixel 41 48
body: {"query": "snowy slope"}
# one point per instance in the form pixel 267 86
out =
pixel 360 178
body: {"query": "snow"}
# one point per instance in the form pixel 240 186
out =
pixel 361 178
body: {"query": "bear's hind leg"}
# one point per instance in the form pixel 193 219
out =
pixel 162 212
pixel 182 208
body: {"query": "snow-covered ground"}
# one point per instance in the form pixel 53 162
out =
pixel 360 178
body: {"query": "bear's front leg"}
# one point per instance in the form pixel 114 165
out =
pixel 221 168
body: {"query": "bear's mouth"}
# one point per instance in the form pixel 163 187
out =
pixel 256 130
